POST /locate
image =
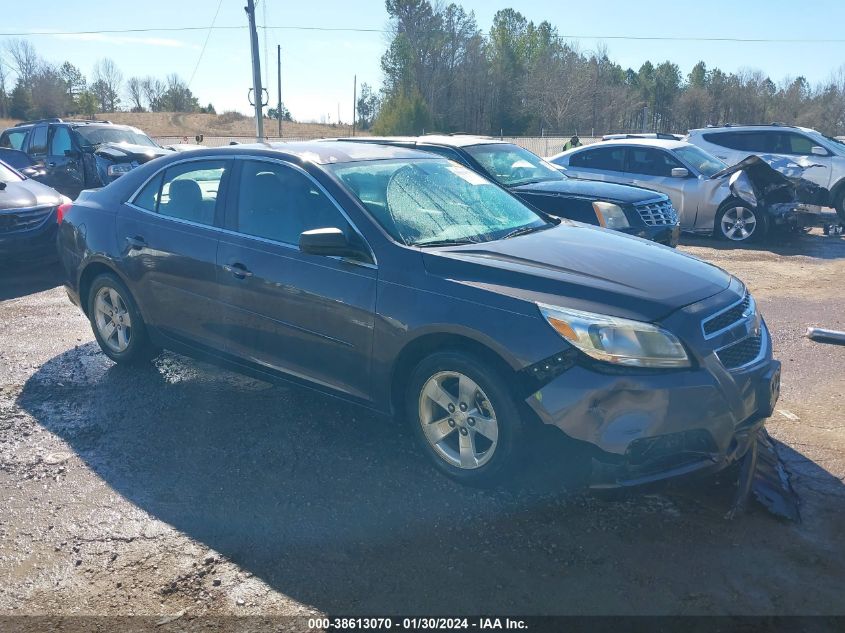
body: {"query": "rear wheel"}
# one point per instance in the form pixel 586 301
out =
pixel 464 417
pixel 118 327
pixel 737 222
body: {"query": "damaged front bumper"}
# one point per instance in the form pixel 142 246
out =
pixel 650 426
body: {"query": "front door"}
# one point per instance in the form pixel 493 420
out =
pixel 306 315
pixel 652 168
pixel 64 163
pixel 169 237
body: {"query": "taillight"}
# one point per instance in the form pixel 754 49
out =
pixel 61 210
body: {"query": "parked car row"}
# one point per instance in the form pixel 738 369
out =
pixel 417 286
pixel 77 155
pixel 699 186
pixel 633 210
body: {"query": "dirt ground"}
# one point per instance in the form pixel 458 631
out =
pixel 182 488
pixel 191 123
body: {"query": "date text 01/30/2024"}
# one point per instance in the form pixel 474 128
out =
pixel 417 623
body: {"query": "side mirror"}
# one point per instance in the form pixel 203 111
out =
pixel 329 242
pixel 818 150
pixel 680 172
pixel 72 153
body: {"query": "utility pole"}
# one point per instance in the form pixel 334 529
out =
pixel 354 103
pixel 257 91
pixel 279 62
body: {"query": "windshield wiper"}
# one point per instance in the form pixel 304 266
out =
pixel 445 243
pixel 523 230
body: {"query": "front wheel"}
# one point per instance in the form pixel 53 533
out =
pixel 464 417
pixel 839 204
pixel 738 222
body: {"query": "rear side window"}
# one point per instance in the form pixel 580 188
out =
pixel 13 139
pixel 604 158
pixel 38 144
pixel 60 143
pixel 188 191
pixel 743 141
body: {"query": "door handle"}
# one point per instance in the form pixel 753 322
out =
pixel 51 164
pixel 238 270
pixel 136 243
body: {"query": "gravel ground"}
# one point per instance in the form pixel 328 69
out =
pixel 184 488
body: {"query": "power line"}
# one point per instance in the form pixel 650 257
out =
pixel 205 43
pixel 562 36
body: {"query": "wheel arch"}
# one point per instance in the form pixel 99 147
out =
pixel 425 345
pixel 836 191
pixel 89 273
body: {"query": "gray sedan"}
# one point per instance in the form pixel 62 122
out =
pixel 682 171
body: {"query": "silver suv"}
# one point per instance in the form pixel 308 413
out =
pixel 732 143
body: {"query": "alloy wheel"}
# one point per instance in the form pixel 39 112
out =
pixel 111 316
pixel 458 420
pixel 738 223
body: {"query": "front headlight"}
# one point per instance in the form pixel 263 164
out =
pixel 615 340
pixel 610 215
pixel 118 169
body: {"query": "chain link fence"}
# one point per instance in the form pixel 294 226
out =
pixel 540 145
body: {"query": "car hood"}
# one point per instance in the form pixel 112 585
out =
pixel 775 179
pixel 124 152
pixel 591 189
pixel 583 267
pixel 26 194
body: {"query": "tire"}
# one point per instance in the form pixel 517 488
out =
pixel 117 323
pixel 839 203
pixel 491 439
pixel 753 228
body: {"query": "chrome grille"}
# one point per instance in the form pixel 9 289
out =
pixel 658 213
pixel 727 318
pixel 23 219
pixel 741 353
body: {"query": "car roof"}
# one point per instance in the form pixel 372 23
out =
pixel 649 142
pixel 750 128
pixel 319 152
pixel 448 140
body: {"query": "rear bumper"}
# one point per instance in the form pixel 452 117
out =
pixel 647 428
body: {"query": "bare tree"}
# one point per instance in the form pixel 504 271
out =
pixel 134 86
pixel 153 90
pixel 109 79
pixel 24 60
pixel 4 95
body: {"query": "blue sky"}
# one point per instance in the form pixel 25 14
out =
pixel 318 67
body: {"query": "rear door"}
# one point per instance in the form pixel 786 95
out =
pixel 169 234
pixel 64 162
pixel 306 315
pixel 651 167
pixel 602 162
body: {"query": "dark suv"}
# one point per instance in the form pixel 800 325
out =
pixel 633 210
pixel 77 155
pixel 410 284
